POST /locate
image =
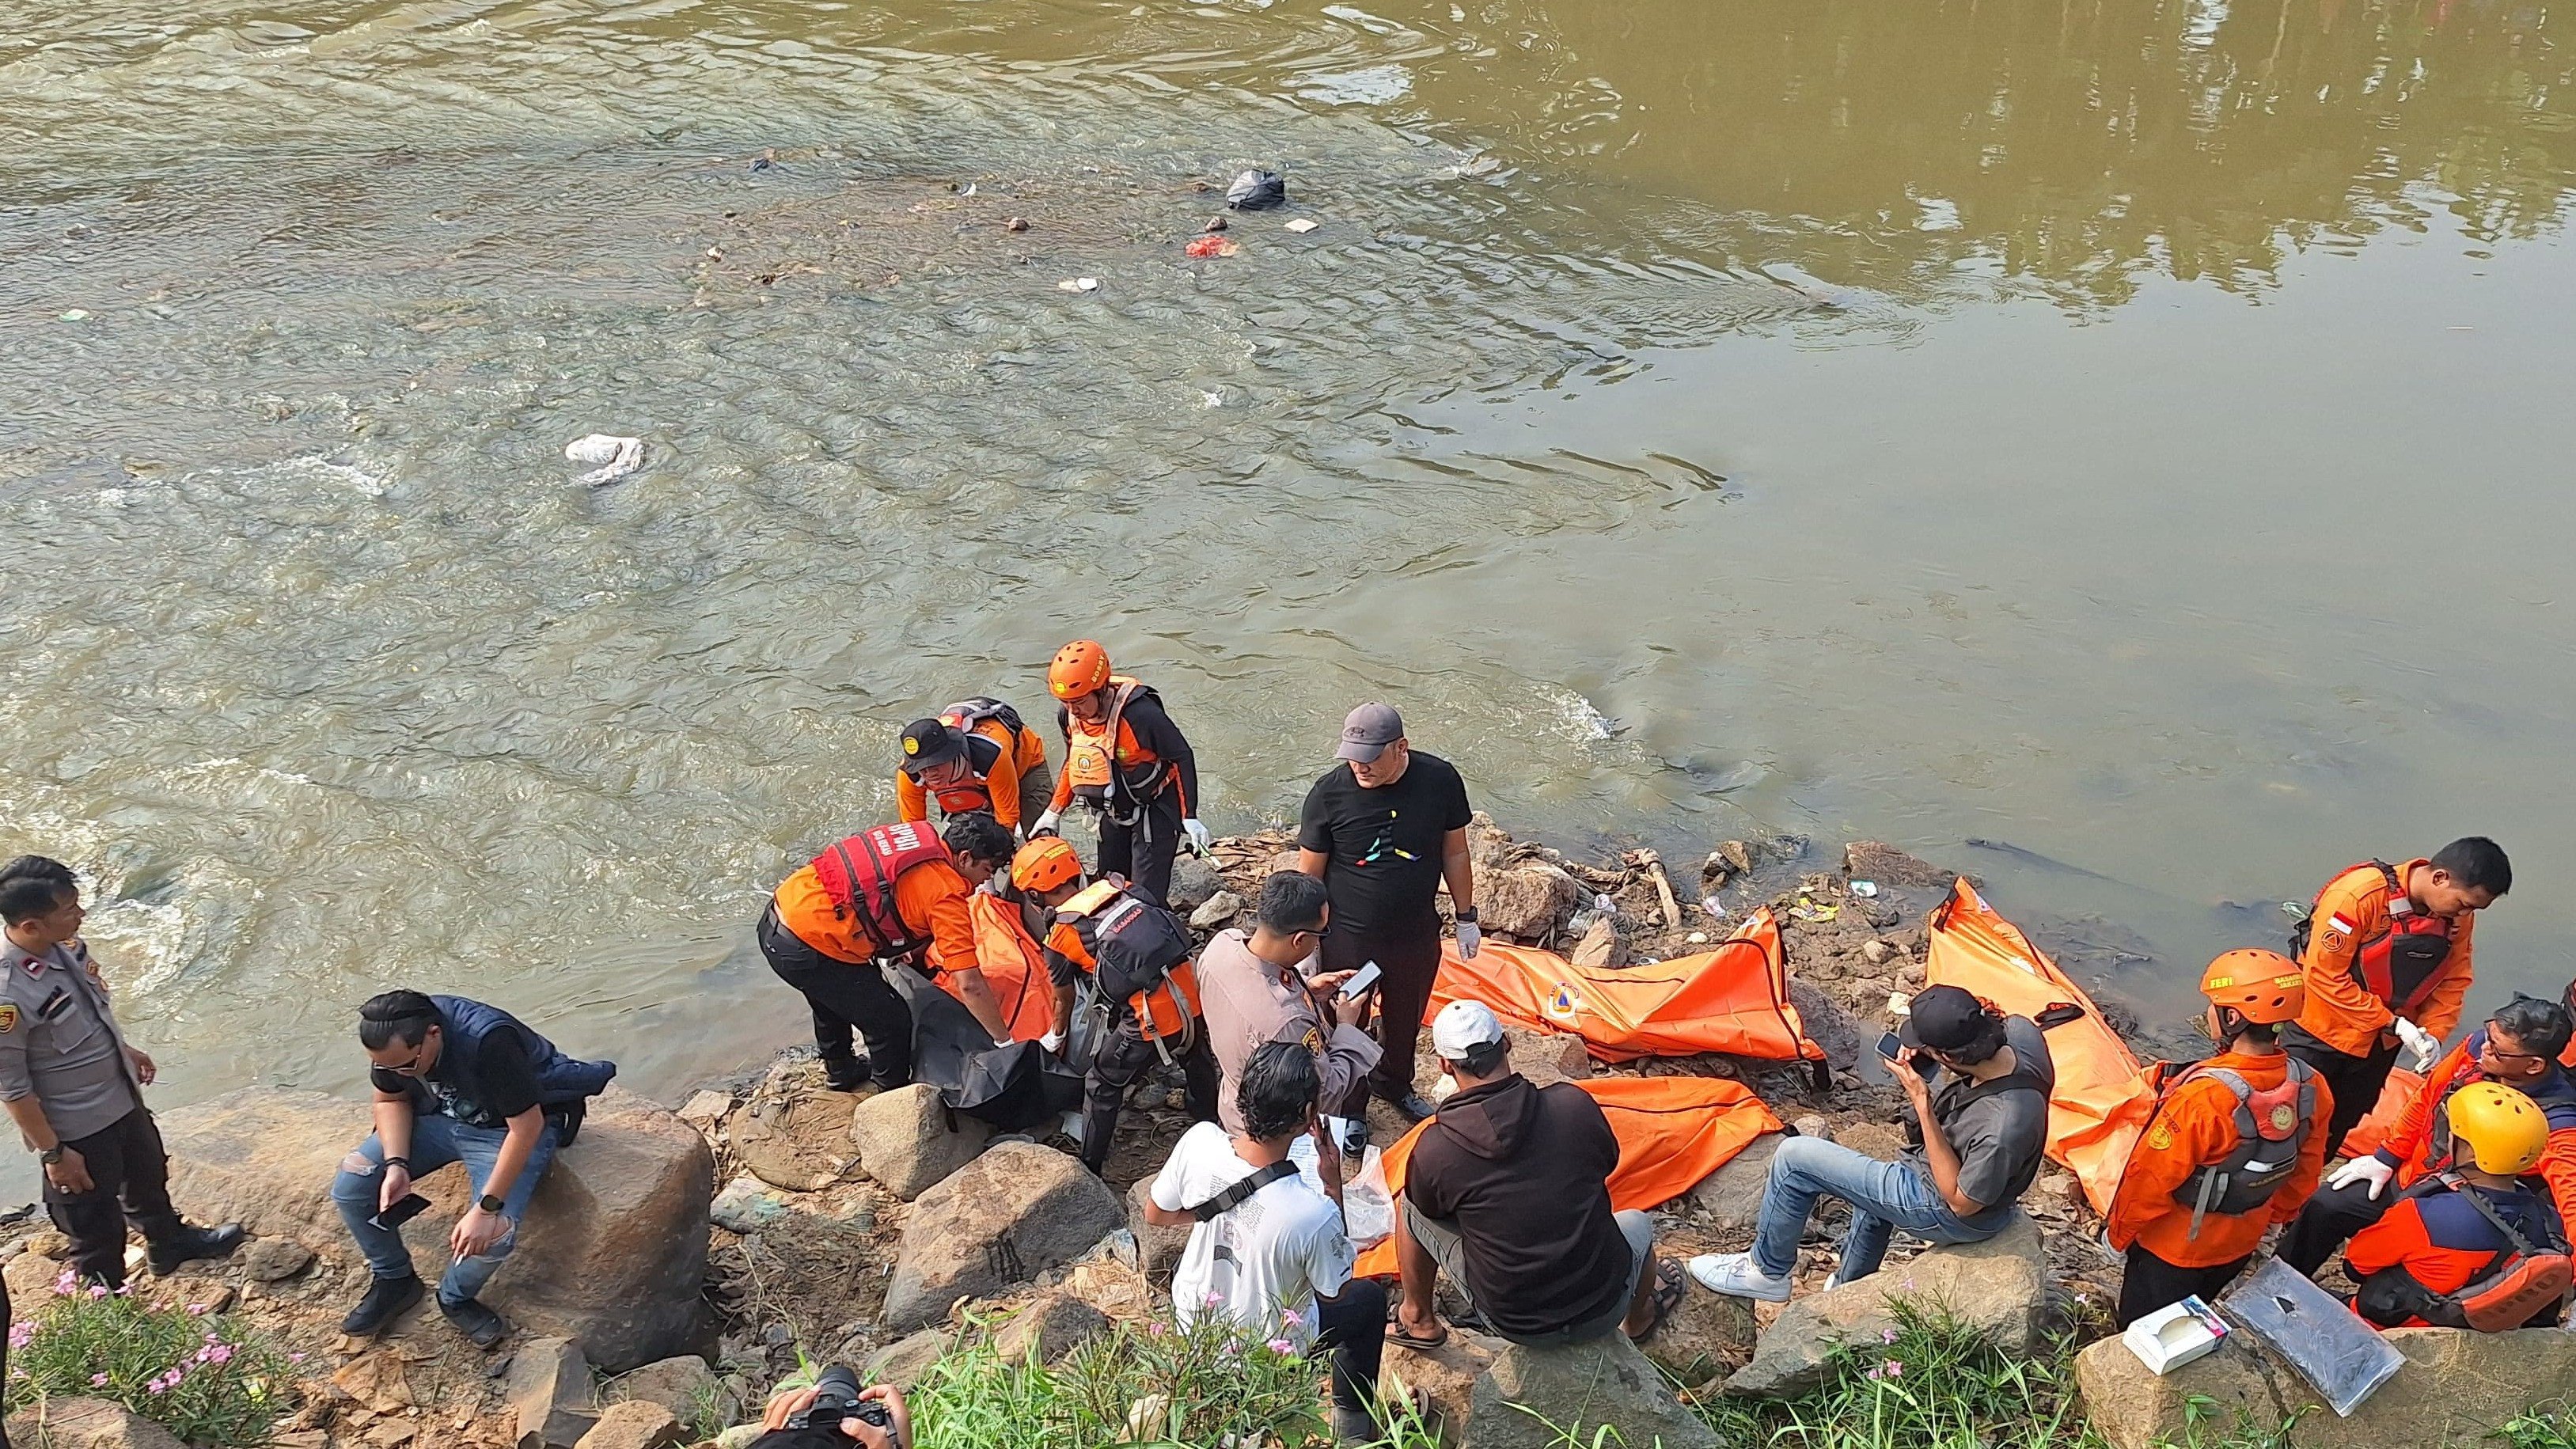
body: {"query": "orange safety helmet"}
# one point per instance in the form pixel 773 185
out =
pixel 1080 668
pixel 1044 864
pixel 2264 987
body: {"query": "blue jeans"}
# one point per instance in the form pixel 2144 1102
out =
pixel 437 1140
pixel 1884 1196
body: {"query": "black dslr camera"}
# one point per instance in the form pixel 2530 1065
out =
pixel 836 1397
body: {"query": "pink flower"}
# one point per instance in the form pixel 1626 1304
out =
pixel 65 1285
pixel 1282 1346
pixel 1893 1368
pixel 98 1381
pixel 97 1291
pixel 21 1334
pixel 199 1310
pixel 299 1358
pixel 1288 1317
pixel 1155 1328
pixel 1887 1335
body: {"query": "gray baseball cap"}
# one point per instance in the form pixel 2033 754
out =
pixel 1368 730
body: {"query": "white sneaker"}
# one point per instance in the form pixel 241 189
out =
pixel 1833 1281
pixel 1735 1275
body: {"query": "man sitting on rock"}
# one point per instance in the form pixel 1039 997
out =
pixel 1508 1192
pixel 1980 1141
pixel 1266 1249
pixel 456 1081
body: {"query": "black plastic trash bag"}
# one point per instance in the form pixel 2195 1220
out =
pixel 1257 191
pixel 1014 1088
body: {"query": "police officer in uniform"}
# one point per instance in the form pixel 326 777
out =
pixel 456 1081
pixel 76 1088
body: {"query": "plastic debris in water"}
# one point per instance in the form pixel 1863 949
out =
pixel 1713 906
pixel 1807 910
pixel 615 456
pixel 1864 888
pixel 75 315
pixel 1211 246
pixel 1078 284
pixel 1303 225
pixel 1257 191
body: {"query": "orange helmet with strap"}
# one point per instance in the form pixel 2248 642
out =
pixel 1044 864
pixel 2264 987
pixel 1080 668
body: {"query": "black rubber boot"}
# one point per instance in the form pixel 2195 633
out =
pixel 479 1324
pixel 386 1299
pixel 844 1072
pixel 192 1244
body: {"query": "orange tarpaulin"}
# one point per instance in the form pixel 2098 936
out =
pixel 2400 1093
pixel 2102 1099
pixel 1672 1131
pixel 1733 999
pixel 1013 967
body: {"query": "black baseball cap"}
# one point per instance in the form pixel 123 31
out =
pixel 1943 1019
pixel 928 742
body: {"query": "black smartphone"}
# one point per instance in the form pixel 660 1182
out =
pixel 1890 1048
pixel 410 1207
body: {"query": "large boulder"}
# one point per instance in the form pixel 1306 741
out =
pixel 613 1253
pixel 1732 1195
pixel 909 1140
pixel 1194 884
pixel 635 1424
pixel 904 1362
pixel 87 1424
pixel 799 1142
pixel 1531 1398
pixel 2456 1388
pixel 1531 901
pixel 549 1394
pixel 1999 1286
pixel 683 1384
pixel 1048 1329
pixel 1011 1214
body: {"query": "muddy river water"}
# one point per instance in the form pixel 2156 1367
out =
pixel 2137 431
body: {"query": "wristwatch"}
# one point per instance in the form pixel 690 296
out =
pixel 1468 915
pixel 489 1204
pixel 51 1155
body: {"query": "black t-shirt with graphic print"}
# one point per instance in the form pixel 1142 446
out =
pixel 1385 842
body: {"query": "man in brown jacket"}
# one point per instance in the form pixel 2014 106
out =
pixel 1254 989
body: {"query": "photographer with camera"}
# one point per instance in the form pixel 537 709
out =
pixel 834 1412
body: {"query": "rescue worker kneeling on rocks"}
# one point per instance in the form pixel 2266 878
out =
pixel 2517 1048
pixel 1138 956
pixel 2387 953
pixel 2236 1144
pixel 456 1081
pixel 893 897
pixel 975 756
pixel 1124 758
pixel 2474 1247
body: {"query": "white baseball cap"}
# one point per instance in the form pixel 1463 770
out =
pixel 1463 1026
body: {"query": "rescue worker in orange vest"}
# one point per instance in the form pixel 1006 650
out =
pixel 2470 1248
pixel 1124 758
pixel 2387 956
pixel 2567 999
pixel 975 756
pixel 2236 1144
pixel 1138 956
pixel 2517 1048
pixel 890 898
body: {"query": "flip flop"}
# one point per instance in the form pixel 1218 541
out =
pixel 1668 1295
pixel 1396 1335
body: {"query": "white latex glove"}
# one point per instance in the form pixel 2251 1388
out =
pixel 1045 825
pixel 1471 939
pixel 1200 840
pixel 2426 1046
pixel 2369 1168
pixel 1004 1041
pixel 1053 1042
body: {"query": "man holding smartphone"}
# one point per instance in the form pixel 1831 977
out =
pixel 1382 829
pixel 1256 989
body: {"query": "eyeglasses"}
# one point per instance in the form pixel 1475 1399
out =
pixel 2499 1054
pixel 414 1067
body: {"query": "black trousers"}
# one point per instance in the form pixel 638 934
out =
pixel 1143 850
pixel 2329 1221
pixel 2355 1081
pixel 1353 1327
pixel 844 998
pixel 2150 1283
pixel 1408 955
pixel 1122 1062
pixel 129 1173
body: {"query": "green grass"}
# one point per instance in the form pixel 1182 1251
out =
pixel 2545 1426
pixel 194 1373
pixel 1931 1383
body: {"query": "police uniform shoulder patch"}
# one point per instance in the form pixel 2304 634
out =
pixel 8 1017
pixel 1314 1040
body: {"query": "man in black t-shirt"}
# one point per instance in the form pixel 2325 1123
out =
pixel 1383 829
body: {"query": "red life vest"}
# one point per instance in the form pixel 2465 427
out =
pixel 2397 965
pixel 2272 1127
pixel 859 873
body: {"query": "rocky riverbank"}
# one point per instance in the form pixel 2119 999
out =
pixel 676 1264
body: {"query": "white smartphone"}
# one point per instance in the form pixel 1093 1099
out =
pixel 1361 980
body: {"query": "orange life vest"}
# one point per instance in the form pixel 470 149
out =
pixel 2272 1126
pixel 1104 759
pixel 1137 951
pixel 858 875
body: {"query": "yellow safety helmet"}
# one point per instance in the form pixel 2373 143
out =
pixel 2505 1131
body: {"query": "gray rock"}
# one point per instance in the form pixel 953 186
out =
pixel 798 1142
pixel 1216 911
pixel 903 1362
pixel 1194 884
pixel 1889 866
pixel 1530 901
pixel 1011 1214
pixel 746 1206
pixel 548 1391
pixel 274 1260
pixel 1158 1250
pixel 684 1384
pixel 1601 946
pixel 1528 1397
pixel 1999 1286
pixel 2457 1387
pixel 635 1424
pixel 1048 1329
pixel 87 1424
pixel 1732 1195
pixel 909 1141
